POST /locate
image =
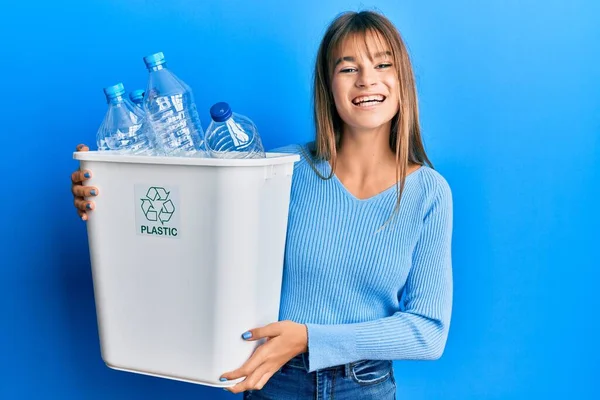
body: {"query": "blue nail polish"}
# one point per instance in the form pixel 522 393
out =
pixel 88 206
pixel 223 379
pixel 247 335
pixel 87 174
pixel 93 192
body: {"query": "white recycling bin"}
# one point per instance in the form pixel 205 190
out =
pixel 186 255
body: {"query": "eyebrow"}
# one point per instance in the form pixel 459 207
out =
pixel 353 59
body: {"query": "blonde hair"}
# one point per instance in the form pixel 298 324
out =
pixel 405 136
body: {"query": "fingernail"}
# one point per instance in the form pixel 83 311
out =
pixel 88 206
pixel 87 174
pixel 93 192
pixel 223 379
pixel 247 335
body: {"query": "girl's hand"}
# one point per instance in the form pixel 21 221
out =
pixel 79 191
pixel 285 340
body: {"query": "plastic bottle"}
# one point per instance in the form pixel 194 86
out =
pixel 169 105
pixel 121 128
pixel 137 98
pixel 232 135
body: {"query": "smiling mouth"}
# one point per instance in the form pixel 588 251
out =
pixel 366 101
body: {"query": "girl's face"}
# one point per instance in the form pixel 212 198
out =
pixel 365 86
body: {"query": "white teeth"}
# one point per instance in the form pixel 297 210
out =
pixel 368 99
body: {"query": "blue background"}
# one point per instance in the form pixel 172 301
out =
pixel 510 105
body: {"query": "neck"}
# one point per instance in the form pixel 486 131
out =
pixel 365 152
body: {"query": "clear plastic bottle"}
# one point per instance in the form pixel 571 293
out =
pixel 169 105
pixel 137 98
pixel 121 128
pixel 232 135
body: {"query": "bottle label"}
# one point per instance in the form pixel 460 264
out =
pixel 156 211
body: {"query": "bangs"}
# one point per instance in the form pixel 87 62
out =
pixel 365 42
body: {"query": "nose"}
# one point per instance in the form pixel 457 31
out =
pixel 366 78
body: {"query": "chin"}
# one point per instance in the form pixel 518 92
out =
pixel 370 125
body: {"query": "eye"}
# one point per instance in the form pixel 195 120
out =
pixel 384 65
pixel 347 70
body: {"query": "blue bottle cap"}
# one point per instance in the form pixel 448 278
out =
pixel 220 112
pixel 137 95
pixel 154 60
pixel 114 91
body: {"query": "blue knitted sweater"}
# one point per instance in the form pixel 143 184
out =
pixel 364 293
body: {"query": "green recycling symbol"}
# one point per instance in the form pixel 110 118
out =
pixel 157 206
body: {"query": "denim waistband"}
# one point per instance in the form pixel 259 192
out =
pixel 301 362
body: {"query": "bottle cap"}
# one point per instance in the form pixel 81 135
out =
pixel 220 112
pixel 154 60
pixel 114 91
pixel 137 95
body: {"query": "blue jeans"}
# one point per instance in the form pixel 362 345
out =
pixel 363 380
